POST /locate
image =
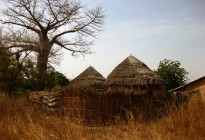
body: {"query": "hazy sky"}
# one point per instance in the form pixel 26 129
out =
pixel 151 30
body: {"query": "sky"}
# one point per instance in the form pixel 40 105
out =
pixel 150 30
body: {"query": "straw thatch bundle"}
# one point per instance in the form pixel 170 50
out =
pixel 49 102
pixel 52 102
pixel 89 78
pixel 133 73
pixel 35 97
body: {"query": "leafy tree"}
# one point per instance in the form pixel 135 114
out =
pixel 172 73
pixel 55 78
pixel 30 80
pixel 46 26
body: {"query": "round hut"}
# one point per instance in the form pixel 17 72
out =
pixel 133 75
pixel 89 78
pixel 135 87
pixel 82 97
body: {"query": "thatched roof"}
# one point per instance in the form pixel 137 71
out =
pixel 132 72
pixel 89 78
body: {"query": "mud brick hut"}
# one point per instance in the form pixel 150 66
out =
pixel 196 88
pixel 136 85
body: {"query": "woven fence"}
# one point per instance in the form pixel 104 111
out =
pixel 98 110
pixel 90 106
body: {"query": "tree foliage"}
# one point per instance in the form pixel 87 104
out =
pixel 10 69
pixel 55 78
pixel 47 26
pixel 17 77
pixel 9 72
pixel 172 73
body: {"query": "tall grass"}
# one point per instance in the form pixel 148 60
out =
pixel 18 120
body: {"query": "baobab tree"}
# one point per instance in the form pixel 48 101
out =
pixel 44 26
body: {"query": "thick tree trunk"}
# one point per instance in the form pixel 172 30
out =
pixel 42 62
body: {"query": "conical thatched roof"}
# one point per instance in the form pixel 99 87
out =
pixel 89 78
pixel 132 72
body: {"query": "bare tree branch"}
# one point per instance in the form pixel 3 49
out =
pixel 42 26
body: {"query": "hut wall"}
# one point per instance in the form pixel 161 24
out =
pixel 127 90
pixel 197 85
pixel 158 91
pixel 202 91
pixel 195 89
pixel 155 90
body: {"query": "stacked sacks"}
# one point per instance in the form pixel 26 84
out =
pixel 52 103
pixel 49 102
pixel 35 98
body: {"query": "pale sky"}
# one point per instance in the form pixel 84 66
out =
pixel 150 30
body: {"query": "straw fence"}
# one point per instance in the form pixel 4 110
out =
pixel 90 106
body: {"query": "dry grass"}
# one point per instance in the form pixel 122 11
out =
pixel 20 121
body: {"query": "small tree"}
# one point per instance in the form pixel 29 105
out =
pixel 44 26
pixel 10 72
pixel 172 73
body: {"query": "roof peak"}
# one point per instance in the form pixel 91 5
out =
pixel 90 67
pixel 131 59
